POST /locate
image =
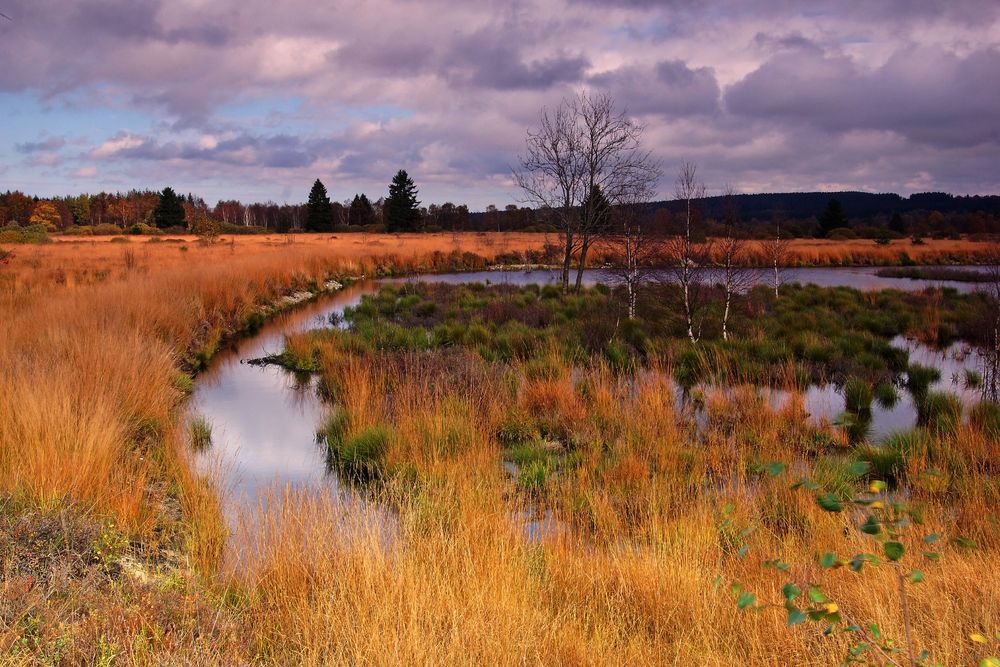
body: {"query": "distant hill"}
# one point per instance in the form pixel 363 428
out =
pixel 925 212
pixel 800 205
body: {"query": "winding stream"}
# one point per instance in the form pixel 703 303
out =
pixel 264 418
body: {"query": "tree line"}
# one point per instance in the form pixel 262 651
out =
pixel 141 211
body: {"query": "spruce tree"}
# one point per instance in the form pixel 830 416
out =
pixel 402 212
pixel 319 210
pixel 362 212
pixel 169 211
pixel 833 217
pixel 596 210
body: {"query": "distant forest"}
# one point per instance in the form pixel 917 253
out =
pixel 807 214
pixel 798 214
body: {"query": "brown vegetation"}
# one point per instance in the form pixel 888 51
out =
pixel 111 544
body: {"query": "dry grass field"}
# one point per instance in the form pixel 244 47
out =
pixel 111 544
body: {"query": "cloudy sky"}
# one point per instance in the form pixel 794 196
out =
pixel 253 99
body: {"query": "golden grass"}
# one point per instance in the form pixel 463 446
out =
pixel 91 342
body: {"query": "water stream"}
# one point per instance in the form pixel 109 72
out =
pixel 264 419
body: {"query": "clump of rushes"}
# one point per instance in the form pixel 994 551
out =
pixel 940 411
pixel 857 396
pixel 201 433
pixel 888 459
pixel 919 379
pixel 985 417
pixel 886 395
pixel 334 428
pixel 361 457
pixel 973 379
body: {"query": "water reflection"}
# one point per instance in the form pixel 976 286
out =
pixel 264 419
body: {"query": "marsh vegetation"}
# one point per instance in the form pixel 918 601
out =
pixel 535 476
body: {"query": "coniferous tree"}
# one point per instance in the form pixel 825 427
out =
pixel 169 211
pixel 833 217
pixel 401 209
pixel 362 212
pixel 897 224
pixel 319 210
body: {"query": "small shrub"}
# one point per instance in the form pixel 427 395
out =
pixel 29 234
pixel 106 229
pixel 110 546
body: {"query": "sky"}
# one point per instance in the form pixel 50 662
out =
pixel 253 100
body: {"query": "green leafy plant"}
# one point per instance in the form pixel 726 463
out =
pixel 898 542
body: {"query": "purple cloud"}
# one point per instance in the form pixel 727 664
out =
pixel 255 97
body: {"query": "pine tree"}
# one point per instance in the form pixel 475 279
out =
pixel 362 212
pixel 319 210
pixel 169 211
pixel 401 207
pixel 833 217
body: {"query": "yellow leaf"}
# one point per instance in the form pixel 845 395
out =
pixel 832 608
pixel 978 638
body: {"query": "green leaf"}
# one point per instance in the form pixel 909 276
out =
pixel 932 555
pixel 829 559
pixel 746 599
pixel 871 526
pixel 932 538
pixel 774 468
pixel 916 577
pixel 791 591
pixel 859 468
pixel 795 617
pixel 860 559
pixel 964 542
pixel 743 550
pixel 830 502
pixel 806 484
pixel 989 662
pixel 894 550
pixel 876 632
pixel 816 595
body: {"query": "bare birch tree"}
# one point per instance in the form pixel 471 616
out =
pixel 775 251
pixel 684 252
pixel 733 258
pixel 638 252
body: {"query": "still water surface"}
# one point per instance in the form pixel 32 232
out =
pixel 264 419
